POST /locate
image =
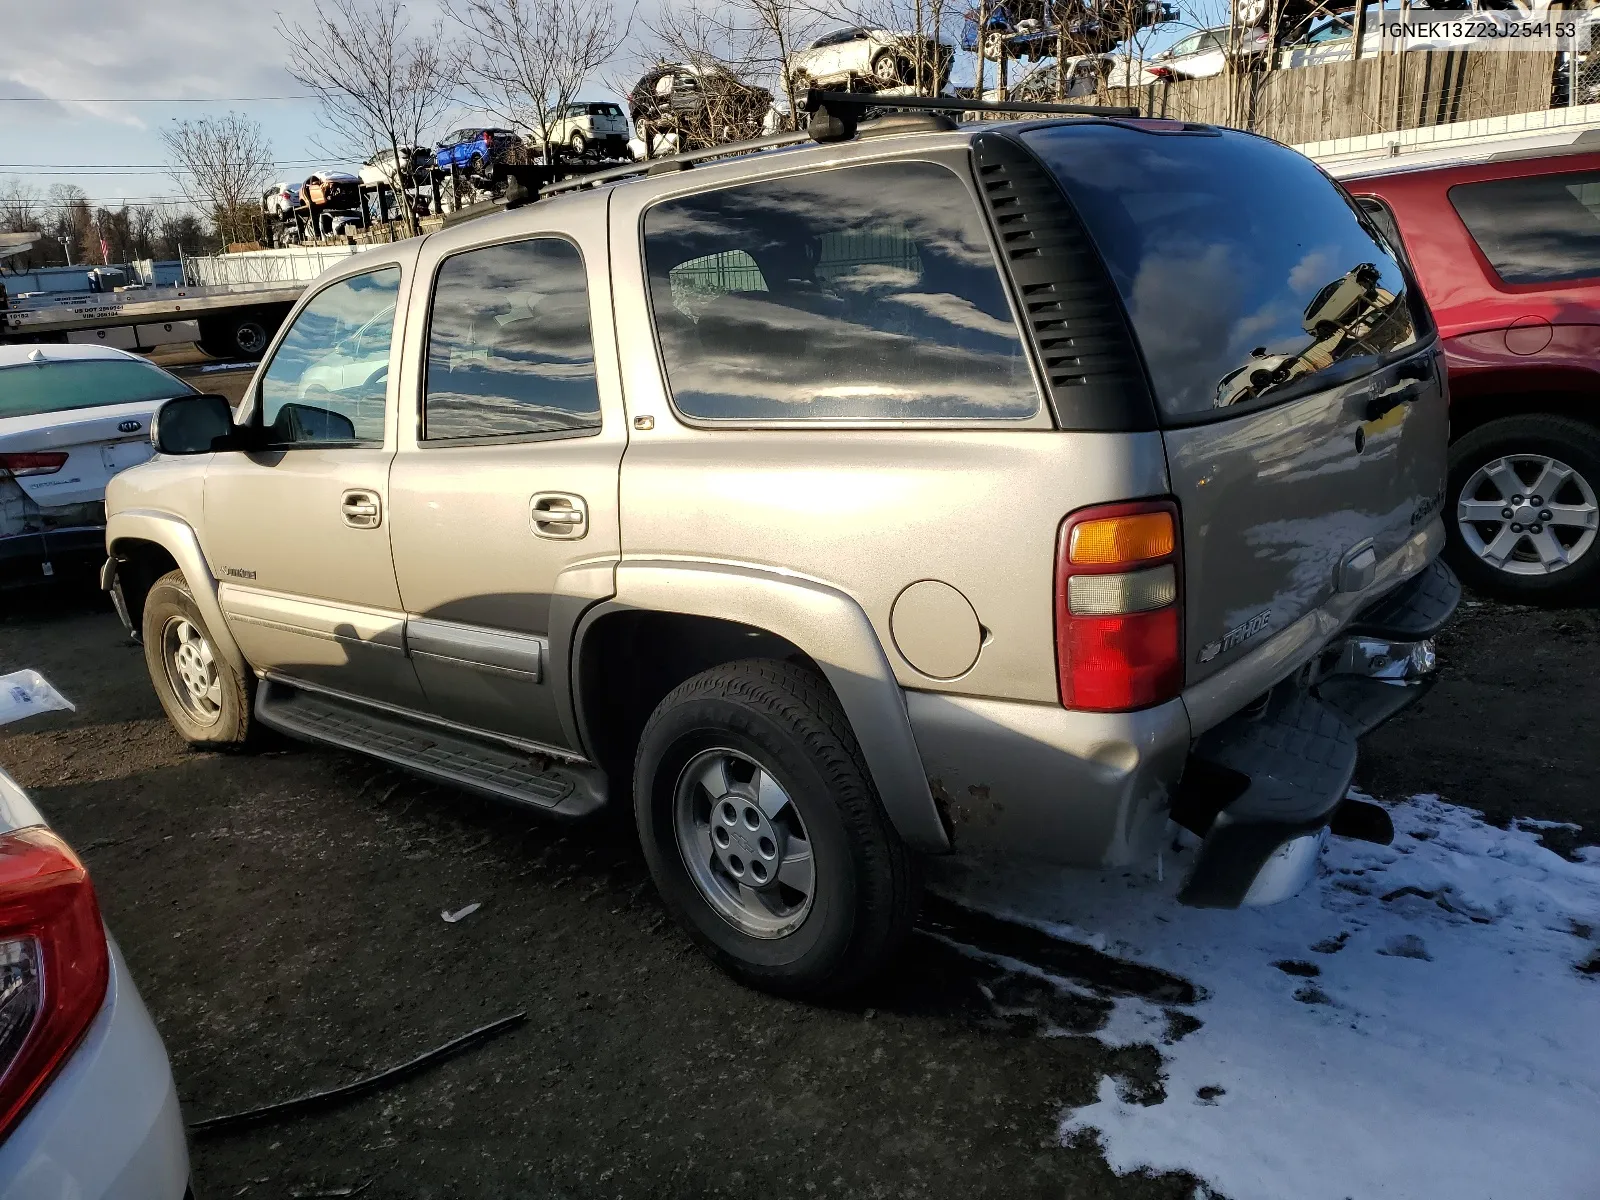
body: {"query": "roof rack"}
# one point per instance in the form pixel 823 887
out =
pixel 834 118
pixel 673 162
pixel 835 115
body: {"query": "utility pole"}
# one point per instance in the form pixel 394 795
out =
pixel 66 245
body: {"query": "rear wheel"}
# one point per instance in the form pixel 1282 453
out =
pixel 764 833
pixel 886 69
pixel 579 145
pixel 207 701
pixel 1524 509
pixel 236 337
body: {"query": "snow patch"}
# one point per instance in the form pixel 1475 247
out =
pixel 1447 1043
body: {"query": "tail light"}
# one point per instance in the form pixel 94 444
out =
pixel 1159 72
pixel 1119 607
pixel 54 964
pixel 32 464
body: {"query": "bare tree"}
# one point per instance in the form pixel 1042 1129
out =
pixel 379 88
pixel 785 26
pixel 526 59
pixel 928 28
pixel 220 164
pixel 19 207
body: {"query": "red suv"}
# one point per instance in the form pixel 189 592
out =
pixel 1507 253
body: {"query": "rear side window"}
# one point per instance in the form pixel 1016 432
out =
pixel 509 347
pixel 1540 230
pixel 1248 276
pixel 29 389
pixel 862 293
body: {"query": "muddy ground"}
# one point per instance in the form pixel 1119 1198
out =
pixel 281 914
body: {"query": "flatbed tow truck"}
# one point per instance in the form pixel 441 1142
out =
pixel 234 320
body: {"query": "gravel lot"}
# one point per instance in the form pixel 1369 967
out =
pixel 281 914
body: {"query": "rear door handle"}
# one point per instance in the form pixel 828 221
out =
pixel 361 509
pixel 559 515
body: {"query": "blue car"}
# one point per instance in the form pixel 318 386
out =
pixel 474 150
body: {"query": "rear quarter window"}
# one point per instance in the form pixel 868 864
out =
pixel 1248 276
pixel 1544 229
pixel 862 293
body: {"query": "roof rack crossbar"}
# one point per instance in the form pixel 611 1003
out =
pixel 862 100
pixel 673 162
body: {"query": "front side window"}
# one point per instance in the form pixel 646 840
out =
pixel 1248 276
pixel 329 379
pixel 1544 229
pixel 509 347
pixel 863 293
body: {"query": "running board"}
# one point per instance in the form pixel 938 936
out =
pixel 459 759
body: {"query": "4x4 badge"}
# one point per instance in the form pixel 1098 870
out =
pixel 1240 633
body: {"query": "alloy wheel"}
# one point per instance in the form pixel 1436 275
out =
pixel 1528 514
pixel 744 843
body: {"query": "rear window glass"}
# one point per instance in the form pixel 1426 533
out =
pixel 863 293
pixel 32 388
pixel 1542 230
pixel 1248 276
pixel 604 110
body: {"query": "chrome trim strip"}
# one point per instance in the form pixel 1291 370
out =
pixel 411 714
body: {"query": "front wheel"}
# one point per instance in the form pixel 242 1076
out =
pixel 764 833
pixel 578 145
pixel 1522 515
pixel 207 701
pixel 886 70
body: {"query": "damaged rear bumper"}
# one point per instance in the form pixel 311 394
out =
pixel 1263 788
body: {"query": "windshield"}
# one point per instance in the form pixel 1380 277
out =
pixel 29 389
pixel 1245 271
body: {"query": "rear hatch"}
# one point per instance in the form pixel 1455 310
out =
pixel 607 118
pixel 97 443
pixel 1291 359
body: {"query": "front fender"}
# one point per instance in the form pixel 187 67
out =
pixel 835 633
pixel 174 535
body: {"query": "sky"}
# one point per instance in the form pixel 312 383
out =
pixel 86 86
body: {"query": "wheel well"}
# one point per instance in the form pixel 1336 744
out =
pixel 630 659
pixel 139 565
pixel 1469 412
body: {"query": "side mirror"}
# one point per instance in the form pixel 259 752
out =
pixel 193 425
pixel 310 423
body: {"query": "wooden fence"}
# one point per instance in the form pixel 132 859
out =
pixel 1353 99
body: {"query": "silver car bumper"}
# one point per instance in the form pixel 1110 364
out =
pixel 108 1126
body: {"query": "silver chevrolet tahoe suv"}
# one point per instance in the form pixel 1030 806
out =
pixel 1018 487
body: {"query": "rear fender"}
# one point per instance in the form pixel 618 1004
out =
pixel 175 536
pixel 831 629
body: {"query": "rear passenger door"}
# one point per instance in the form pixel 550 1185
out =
pixel 504 490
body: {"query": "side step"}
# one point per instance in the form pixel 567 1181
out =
pixel 1417 609
pixel 456 758
pixel 1260 790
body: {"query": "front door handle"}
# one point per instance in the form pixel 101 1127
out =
pixel 361 509
pixel 559 515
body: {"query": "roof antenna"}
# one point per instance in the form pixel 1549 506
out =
pixel 36 355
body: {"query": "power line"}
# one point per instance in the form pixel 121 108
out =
pixel 146 99
pixel 286 162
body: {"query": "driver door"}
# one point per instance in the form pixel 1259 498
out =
pixel 297 531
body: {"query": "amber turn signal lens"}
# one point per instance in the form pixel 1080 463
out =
pixel 1108 541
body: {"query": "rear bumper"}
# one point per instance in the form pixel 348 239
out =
pixel 31 557
pixel 108 1127
pixel 1261 787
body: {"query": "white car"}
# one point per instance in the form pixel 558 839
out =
pixel 879 57
pixel 1333 39
pixel 88 1109
pixel 280 199
pixel 380 167
pixel 586 126
pixel 1202 54
pixel 71 417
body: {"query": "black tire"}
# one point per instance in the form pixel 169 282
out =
pixel 866 882
pixel 1573 443
pixel 577 145
pixel 169 603
pixel 243 337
